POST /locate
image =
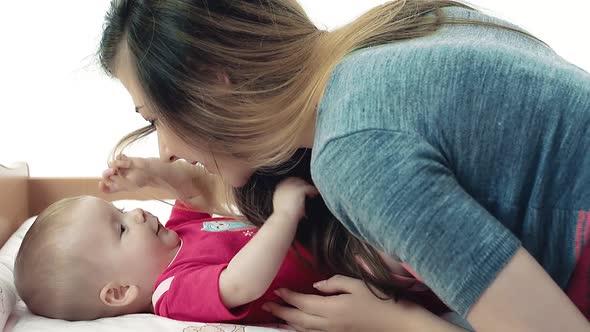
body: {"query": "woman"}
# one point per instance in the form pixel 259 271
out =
pixel 442 136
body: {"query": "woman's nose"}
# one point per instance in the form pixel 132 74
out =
pixel 165 154
pixel 167 157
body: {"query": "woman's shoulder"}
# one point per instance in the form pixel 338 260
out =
pixel 482 36
pixel 406 73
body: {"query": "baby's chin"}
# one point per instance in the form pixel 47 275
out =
pixel 168 237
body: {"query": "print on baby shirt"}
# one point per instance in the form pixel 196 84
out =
pixel 225 226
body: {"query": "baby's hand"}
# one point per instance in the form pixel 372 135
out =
pixel 289 198
pixel 127 174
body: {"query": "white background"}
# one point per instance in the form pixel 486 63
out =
pixel 62 115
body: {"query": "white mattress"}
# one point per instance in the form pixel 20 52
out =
pixel 15 317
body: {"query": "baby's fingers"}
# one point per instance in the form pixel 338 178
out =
pixel 110 182
pixel 108 188
pixel 107 173
pixel 103 187
pixel 123 164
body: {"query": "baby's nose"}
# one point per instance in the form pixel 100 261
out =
pixel 139 216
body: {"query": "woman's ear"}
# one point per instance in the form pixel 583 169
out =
pixel 118 295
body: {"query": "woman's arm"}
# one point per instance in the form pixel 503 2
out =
pixel 412 205
pixel 253 269
pixel 354 308
pixel 526 299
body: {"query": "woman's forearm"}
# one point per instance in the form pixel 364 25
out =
pixel 524 298
pixel 427 321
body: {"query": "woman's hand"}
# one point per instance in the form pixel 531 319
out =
pixel 128 174
pixel 354 308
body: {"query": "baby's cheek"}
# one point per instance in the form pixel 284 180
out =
pixel 151 247
pixel 147 258
pixel 142 251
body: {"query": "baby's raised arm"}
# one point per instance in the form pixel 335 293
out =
pixel 252 270
pixel 191 184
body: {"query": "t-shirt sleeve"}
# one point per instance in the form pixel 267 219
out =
pixel 193 295
pixel 182 213
pixel 398 192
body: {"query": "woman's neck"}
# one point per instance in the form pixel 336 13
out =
pixel 308 136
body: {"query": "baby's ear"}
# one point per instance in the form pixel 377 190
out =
pixel 118 295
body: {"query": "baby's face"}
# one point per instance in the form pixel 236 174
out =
pixel 130 246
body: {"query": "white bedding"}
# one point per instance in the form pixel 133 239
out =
pixel 15 317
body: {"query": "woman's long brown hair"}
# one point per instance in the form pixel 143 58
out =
pixel 335 249
pixel 277 61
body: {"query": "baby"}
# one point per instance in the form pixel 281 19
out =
pixel 84 259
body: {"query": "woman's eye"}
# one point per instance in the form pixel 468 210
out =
pixel 123 228
pixel 152 122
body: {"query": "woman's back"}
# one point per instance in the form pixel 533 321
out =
pixel 470 117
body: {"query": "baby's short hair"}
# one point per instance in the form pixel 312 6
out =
pixel 51 277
